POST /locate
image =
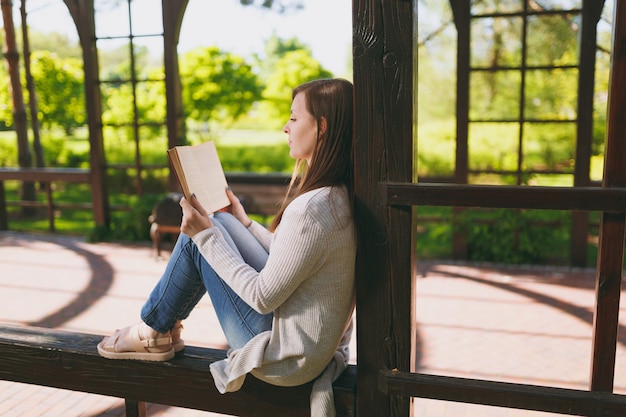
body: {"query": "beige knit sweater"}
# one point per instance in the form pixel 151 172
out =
pixel 308 282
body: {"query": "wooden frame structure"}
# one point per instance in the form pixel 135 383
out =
pixel 385 296
pixel 384 74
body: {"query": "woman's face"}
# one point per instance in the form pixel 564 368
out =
pixel 302 130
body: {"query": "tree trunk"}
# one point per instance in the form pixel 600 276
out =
pixel 11 54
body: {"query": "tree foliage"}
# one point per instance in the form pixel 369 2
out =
pixel 292 69
pixel 281 6
pixel 217 85
pixel 6 118
pixel 61 91
pixel 275 50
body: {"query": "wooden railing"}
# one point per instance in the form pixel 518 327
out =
pixel 262 192
pixel 593 402
pixel 42 175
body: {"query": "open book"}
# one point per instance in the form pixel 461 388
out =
pixel 200 172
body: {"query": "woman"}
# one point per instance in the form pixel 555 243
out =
pixel 284 297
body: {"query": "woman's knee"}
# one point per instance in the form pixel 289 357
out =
pixel 227 220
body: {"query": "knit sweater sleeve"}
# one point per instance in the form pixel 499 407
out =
pixel 297 251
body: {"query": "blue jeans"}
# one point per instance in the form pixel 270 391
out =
pixel 188 276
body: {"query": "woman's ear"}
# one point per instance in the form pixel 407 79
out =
pixel 323 126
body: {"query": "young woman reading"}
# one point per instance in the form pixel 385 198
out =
pixel 284 297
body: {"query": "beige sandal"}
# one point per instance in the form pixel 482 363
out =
pixel 159 349
pixel 177 343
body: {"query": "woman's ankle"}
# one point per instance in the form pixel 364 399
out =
pixel 147 332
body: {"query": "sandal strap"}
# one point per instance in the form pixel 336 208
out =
pixel 145 344
pixel 155 343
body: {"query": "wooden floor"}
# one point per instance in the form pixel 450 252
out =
pixel 529 325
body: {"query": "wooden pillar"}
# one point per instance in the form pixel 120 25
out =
pixel 612 227
pixel 461 13
pixel 383 79
pixel 82 11
pixel 173 12
pixel 591 12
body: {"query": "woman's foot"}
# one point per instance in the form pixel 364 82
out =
pixel 139 342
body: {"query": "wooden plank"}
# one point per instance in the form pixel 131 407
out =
pixel 504 394
pixel 70 361
pixel 74 175
pixel 68 206
pixel 490 196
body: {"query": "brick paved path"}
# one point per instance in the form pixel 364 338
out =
pixel 529 325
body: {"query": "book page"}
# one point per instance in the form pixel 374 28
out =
pixel 204 175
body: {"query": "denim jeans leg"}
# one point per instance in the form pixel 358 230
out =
pixel 250 249
pixel 188 275
pixel 177 292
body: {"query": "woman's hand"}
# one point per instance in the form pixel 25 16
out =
pixel 236 209
pixel 195 217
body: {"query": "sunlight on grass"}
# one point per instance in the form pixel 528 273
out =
pixel 240 137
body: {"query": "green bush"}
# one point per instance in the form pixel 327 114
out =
pixel 262 159
pixel 516 236
pixel 131 225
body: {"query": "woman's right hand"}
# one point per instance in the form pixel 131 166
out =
pixel 236 208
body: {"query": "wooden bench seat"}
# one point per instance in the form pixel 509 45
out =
pixel 69 360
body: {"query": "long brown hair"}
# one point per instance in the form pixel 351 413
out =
pixel 332 162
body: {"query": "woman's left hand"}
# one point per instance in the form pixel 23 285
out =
pixel 195 217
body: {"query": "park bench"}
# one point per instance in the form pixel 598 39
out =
pixel 69 360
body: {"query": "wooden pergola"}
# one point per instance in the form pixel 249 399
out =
pixel 386 193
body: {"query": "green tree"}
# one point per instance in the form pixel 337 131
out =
pixel 60 89
pixel 58 43
pixel 293 69
pixel 275 50
pixel 150 95
pixel 115 63
pixel 281 6
pixel 6 117
pixel 217 85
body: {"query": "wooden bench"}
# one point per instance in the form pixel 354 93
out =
pixel 68 360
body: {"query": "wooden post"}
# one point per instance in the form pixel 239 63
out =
pixel 612 227
pixel 173 12
pixel 591 12
pixel 135 408
pixel 383 79
pixel 461 11
pixel 82 11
